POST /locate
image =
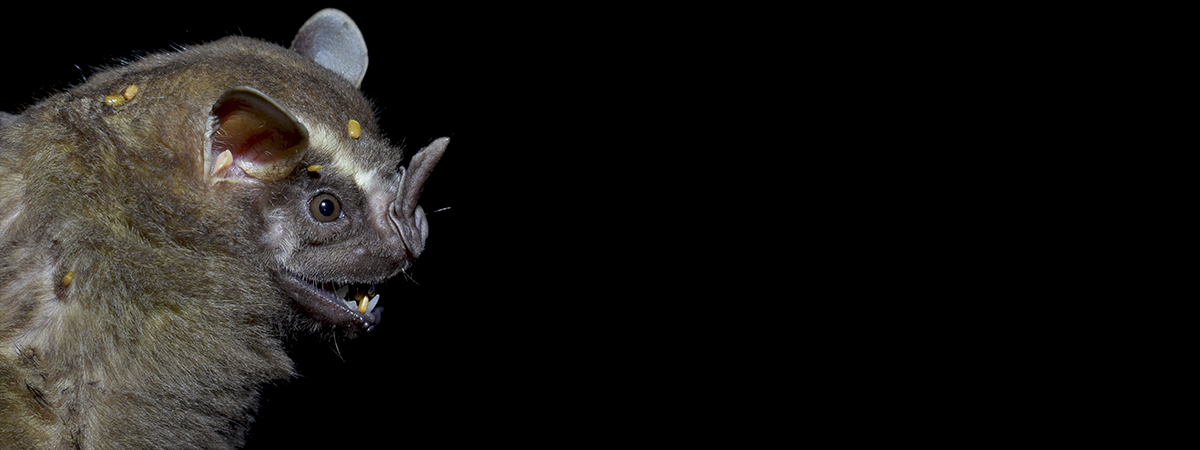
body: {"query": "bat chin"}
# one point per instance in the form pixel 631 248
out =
pixel 349 306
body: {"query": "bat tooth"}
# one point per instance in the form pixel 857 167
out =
pixel 351 305
pixel 341 293
pixel 371 305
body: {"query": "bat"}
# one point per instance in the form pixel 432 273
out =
pixel 176 220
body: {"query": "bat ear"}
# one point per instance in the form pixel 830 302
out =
pixel 256 135
pixel 332 39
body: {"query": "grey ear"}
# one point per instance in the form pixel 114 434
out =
pixel 332 39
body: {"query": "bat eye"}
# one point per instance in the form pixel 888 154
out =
pixel 325 208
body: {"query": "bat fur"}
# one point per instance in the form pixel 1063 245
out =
pixel 158 246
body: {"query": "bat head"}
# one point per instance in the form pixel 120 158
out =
pixel 338 213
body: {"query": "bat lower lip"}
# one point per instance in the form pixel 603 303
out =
pixel 324 304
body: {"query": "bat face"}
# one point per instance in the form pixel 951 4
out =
pixel 174 217
pixel 340 217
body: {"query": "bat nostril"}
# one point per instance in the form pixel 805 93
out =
pixel 421 223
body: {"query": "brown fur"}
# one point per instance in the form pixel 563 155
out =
pixel 175 315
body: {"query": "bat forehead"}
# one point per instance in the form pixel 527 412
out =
pixel 345 155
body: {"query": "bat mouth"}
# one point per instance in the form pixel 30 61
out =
pixel 346 305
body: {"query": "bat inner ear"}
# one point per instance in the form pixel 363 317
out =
pixel 263 139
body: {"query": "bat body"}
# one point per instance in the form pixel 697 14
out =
pixel 170 222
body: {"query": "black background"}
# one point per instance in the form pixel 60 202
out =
pixel 462 349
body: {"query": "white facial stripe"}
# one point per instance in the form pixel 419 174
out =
pixel 335 144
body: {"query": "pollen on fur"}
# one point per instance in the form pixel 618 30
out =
pixel 354 128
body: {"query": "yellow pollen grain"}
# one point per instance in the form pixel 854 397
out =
pixel 66 281
pixel 114 100
pixel 354 128
pixel 315 167
pixel 131 92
